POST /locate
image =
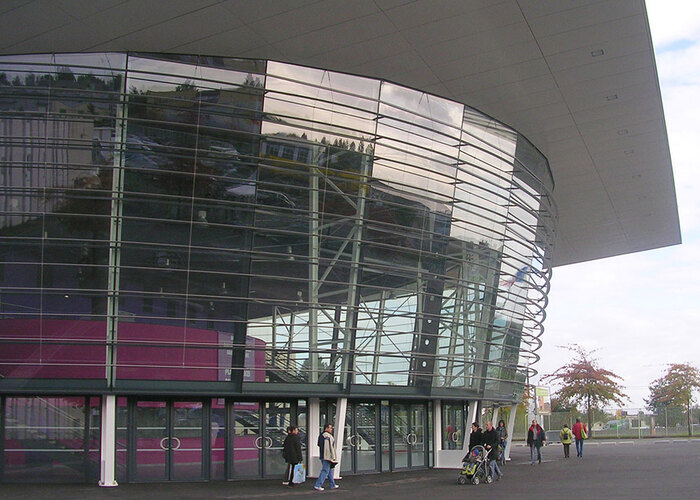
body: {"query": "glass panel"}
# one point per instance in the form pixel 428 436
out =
pixel 192 144
pixel 152 440
pixel 186 440
pixel 247 440
pixel 122 439
pixel 57 152
pixel 47 435
pixel 278 416
pixel 366 436
pixel 400 433
pixel 385 433
pixel 347 460
pixel 218 438
pixel 453 421
pixel 418 436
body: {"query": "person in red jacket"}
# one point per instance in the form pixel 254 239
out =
pixel 535 440
pixel 580 432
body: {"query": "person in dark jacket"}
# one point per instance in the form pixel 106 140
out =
pixel 503 441
pixel 291 452
pixel 535 440
pixel 490 439
pixel 475 437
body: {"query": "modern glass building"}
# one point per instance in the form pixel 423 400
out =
pixel 198 251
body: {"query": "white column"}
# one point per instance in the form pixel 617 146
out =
pixel 341 407
pixel 494 418
pixel 511 425
pixel 473 407
pixel 437 430
pixel 108 442
pixel 314 422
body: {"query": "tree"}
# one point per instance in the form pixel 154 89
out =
pixel 675 389
pixel 582 380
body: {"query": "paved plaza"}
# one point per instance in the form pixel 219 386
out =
pixel 654 469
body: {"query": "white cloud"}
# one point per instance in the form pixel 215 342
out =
pixel 673 21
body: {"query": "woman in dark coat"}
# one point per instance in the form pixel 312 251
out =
pixel 291 452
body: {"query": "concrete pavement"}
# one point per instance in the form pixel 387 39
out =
pixel 654 468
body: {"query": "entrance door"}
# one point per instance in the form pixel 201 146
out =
pixel 360 446
pixel 409 445
pixel 167 440
pixel 259 430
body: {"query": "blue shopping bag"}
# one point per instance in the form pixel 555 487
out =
pixel 299 474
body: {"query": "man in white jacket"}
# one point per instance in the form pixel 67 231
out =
pixel 326 443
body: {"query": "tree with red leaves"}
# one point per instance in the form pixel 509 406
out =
pixel 675 389
pixel 582 380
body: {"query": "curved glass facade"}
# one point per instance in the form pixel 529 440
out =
pixel 238 223
pixel 216 229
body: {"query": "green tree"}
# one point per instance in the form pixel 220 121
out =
pixel 583 381
pixel 675 389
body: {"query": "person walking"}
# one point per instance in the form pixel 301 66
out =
pixel 535 440
pixel 329 459
pixel 490 438
pixel 565 436
pixel 502 441
pixel 291 452
pixel 580 433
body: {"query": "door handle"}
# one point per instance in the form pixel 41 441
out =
pixel 161 443
pixel 455 436
pixel 177 447
pixel 268 444
pixel 257 442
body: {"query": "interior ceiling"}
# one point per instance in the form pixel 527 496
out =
pixel 577 77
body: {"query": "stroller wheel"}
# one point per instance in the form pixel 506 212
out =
pixel 475 479
pixel 461 480
pixel 489 479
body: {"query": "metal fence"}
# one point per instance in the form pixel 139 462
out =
pixel 630 422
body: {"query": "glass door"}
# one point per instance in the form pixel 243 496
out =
pixel 417 437
pixel 167 440
pixel 186 442
pixel 247 439
pixel 361 438
pixel 259 429
pixel 151 441
pixel 409 436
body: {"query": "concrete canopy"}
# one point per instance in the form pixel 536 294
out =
pixel 576 77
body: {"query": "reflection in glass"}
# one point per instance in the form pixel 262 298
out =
pixel 270 223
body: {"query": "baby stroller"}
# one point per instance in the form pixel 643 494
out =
pixel 475 468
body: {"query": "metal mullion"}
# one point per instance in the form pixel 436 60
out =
pixel 131 439
pixel 229 422
pixel 116 221
pixel 86 437
pixel 3 402
pixel 169 432
pixel 206 439
pixel 378 335
pixel 314 284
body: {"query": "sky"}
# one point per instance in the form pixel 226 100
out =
pixel 640 312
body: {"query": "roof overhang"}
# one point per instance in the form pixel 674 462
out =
pixel 578 78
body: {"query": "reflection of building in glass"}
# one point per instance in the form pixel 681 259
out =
pixel 198 252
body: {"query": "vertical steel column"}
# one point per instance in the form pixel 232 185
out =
pixel 313 466
pixel 115 235
pixel 348 365
pixel 511 425
pixel 378 336
pixel 314 254
pixel 494 417
pixel 108 441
